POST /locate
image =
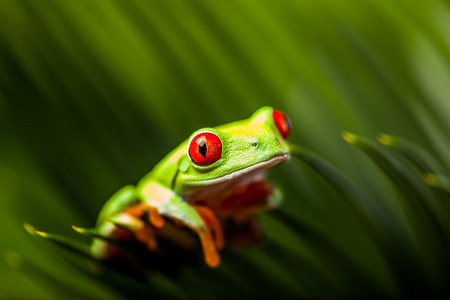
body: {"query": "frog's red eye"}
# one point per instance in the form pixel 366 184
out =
pixel 282 122
pixel 205 148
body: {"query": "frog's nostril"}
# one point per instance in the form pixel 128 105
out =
pixel 255 144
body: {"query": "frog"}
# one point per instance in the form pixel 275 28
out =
pixel 218 173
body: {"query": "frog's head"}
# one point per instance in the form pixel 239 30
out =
pixel 216 155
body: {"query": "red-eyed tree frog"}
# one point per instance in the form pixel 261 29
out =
pixel 216 174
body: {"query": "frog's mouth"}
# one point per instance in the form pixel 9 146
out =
pixel 261 165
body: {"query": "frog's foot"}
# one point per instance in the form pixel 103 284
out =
pixel 212 224
pixel 212 257
pixel 141 209
pixel 198 218
pixel 141 220
pixel 203 221
pixel 211 235
pixel 102 249
pixel 126 225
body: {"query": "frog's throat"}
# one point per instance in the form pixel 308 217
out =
pixel 261 165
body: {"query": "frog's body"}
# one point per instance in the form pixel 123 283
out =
pixel 218 173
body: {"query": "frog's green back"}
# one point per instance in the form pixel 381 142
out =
pixel 166 169
pixel 123 198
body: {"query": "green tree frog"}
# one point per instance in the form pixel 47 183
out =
pixel 216 174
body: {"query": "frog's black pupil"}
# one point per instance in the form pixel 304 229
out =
pixel 202 148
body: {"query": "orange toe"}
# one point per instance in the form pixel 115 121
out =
pixel 212 257
pixel 146 235
pixel 211 221
pixel 155 218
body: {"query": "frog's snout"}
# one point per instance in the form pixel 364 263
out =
pixel 258 143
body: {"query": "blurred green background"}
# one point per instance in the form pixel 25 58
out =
pixel 94 93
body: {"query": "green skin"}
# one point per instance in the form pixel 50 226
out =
pixel 250 144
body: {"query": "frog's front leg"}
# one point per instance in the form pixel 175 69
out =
pixel 198 218
pixel 123 226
